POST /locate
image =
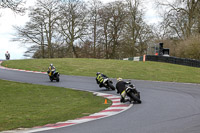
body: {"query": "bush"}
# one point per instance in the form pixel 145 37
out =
pixel 189 48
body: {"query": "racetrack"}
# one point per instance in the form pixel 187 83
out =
pixel 166 108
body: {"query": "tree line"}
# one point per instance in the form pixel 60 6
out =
pixel 74 28
pixel 79 29
pixel 180 27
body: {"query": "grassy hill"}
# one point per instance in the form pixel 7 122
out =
pixel 155 71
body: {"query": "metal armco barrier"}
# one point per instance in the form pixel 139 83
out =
pixel 174 60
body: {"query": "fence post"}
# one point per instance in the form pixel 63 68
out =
pixel 144 58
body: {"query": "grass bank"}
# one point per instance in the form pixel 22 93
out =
pixel 155 71
pixel 26 105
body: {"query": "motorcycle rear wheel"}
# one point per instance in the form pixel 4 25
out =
pixel 135 98
pixel 111 86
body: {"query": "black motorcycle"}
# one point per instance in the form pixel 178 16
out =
pixel 133 94
pixel 107 83
pixel 54 75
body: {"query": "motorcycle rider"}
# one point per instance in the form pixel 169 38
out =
pixel 99 79
pixel 51 69
pixel 121 88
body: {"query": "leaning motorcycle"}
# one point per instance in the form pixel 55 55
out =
pixel 108 84
pixel 133 94
pixel 54 75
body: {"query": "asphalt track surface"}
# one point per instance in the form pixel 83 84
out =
pixel 166 108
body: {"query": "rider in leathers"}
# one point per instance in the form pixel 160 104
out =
pixel 51 69
pixel 121 89
pixel 99 79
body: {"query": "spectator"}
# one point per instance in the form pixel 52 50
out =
pixel 7 55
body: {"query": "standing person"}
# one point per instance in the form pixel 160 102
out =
pixel 7 54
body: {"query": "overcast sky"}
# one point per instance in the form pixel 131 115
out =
pixel 8 19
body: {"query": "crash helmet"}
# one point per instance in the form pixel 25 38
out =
pixel 119 79
pixel 98 73
pixel 51 64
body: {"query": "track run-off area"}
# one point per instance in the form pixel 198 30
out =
pixel 166 107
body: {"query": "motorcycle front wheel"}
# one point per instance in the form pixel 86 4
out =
pixel 57 79
pixel 51 78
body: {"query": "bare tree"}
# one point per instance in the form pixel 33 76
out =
pixel 94 19
pixel 33 32
pixel 133 24
pixel 105 18
pixel 73 23
pixel 50 13
pixel 117 25
pixel 137 34
pixel 180 17
pixel 112 21
pixel 41 30
pixel 15 5
pixel 198 17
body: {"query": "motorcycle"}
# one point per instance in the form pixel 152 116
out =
pixel 54 75
pixel 107 83
pixel 133 94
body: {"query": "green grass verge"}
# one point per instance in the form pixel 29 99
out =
pixel 26 105
pixel 113 68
